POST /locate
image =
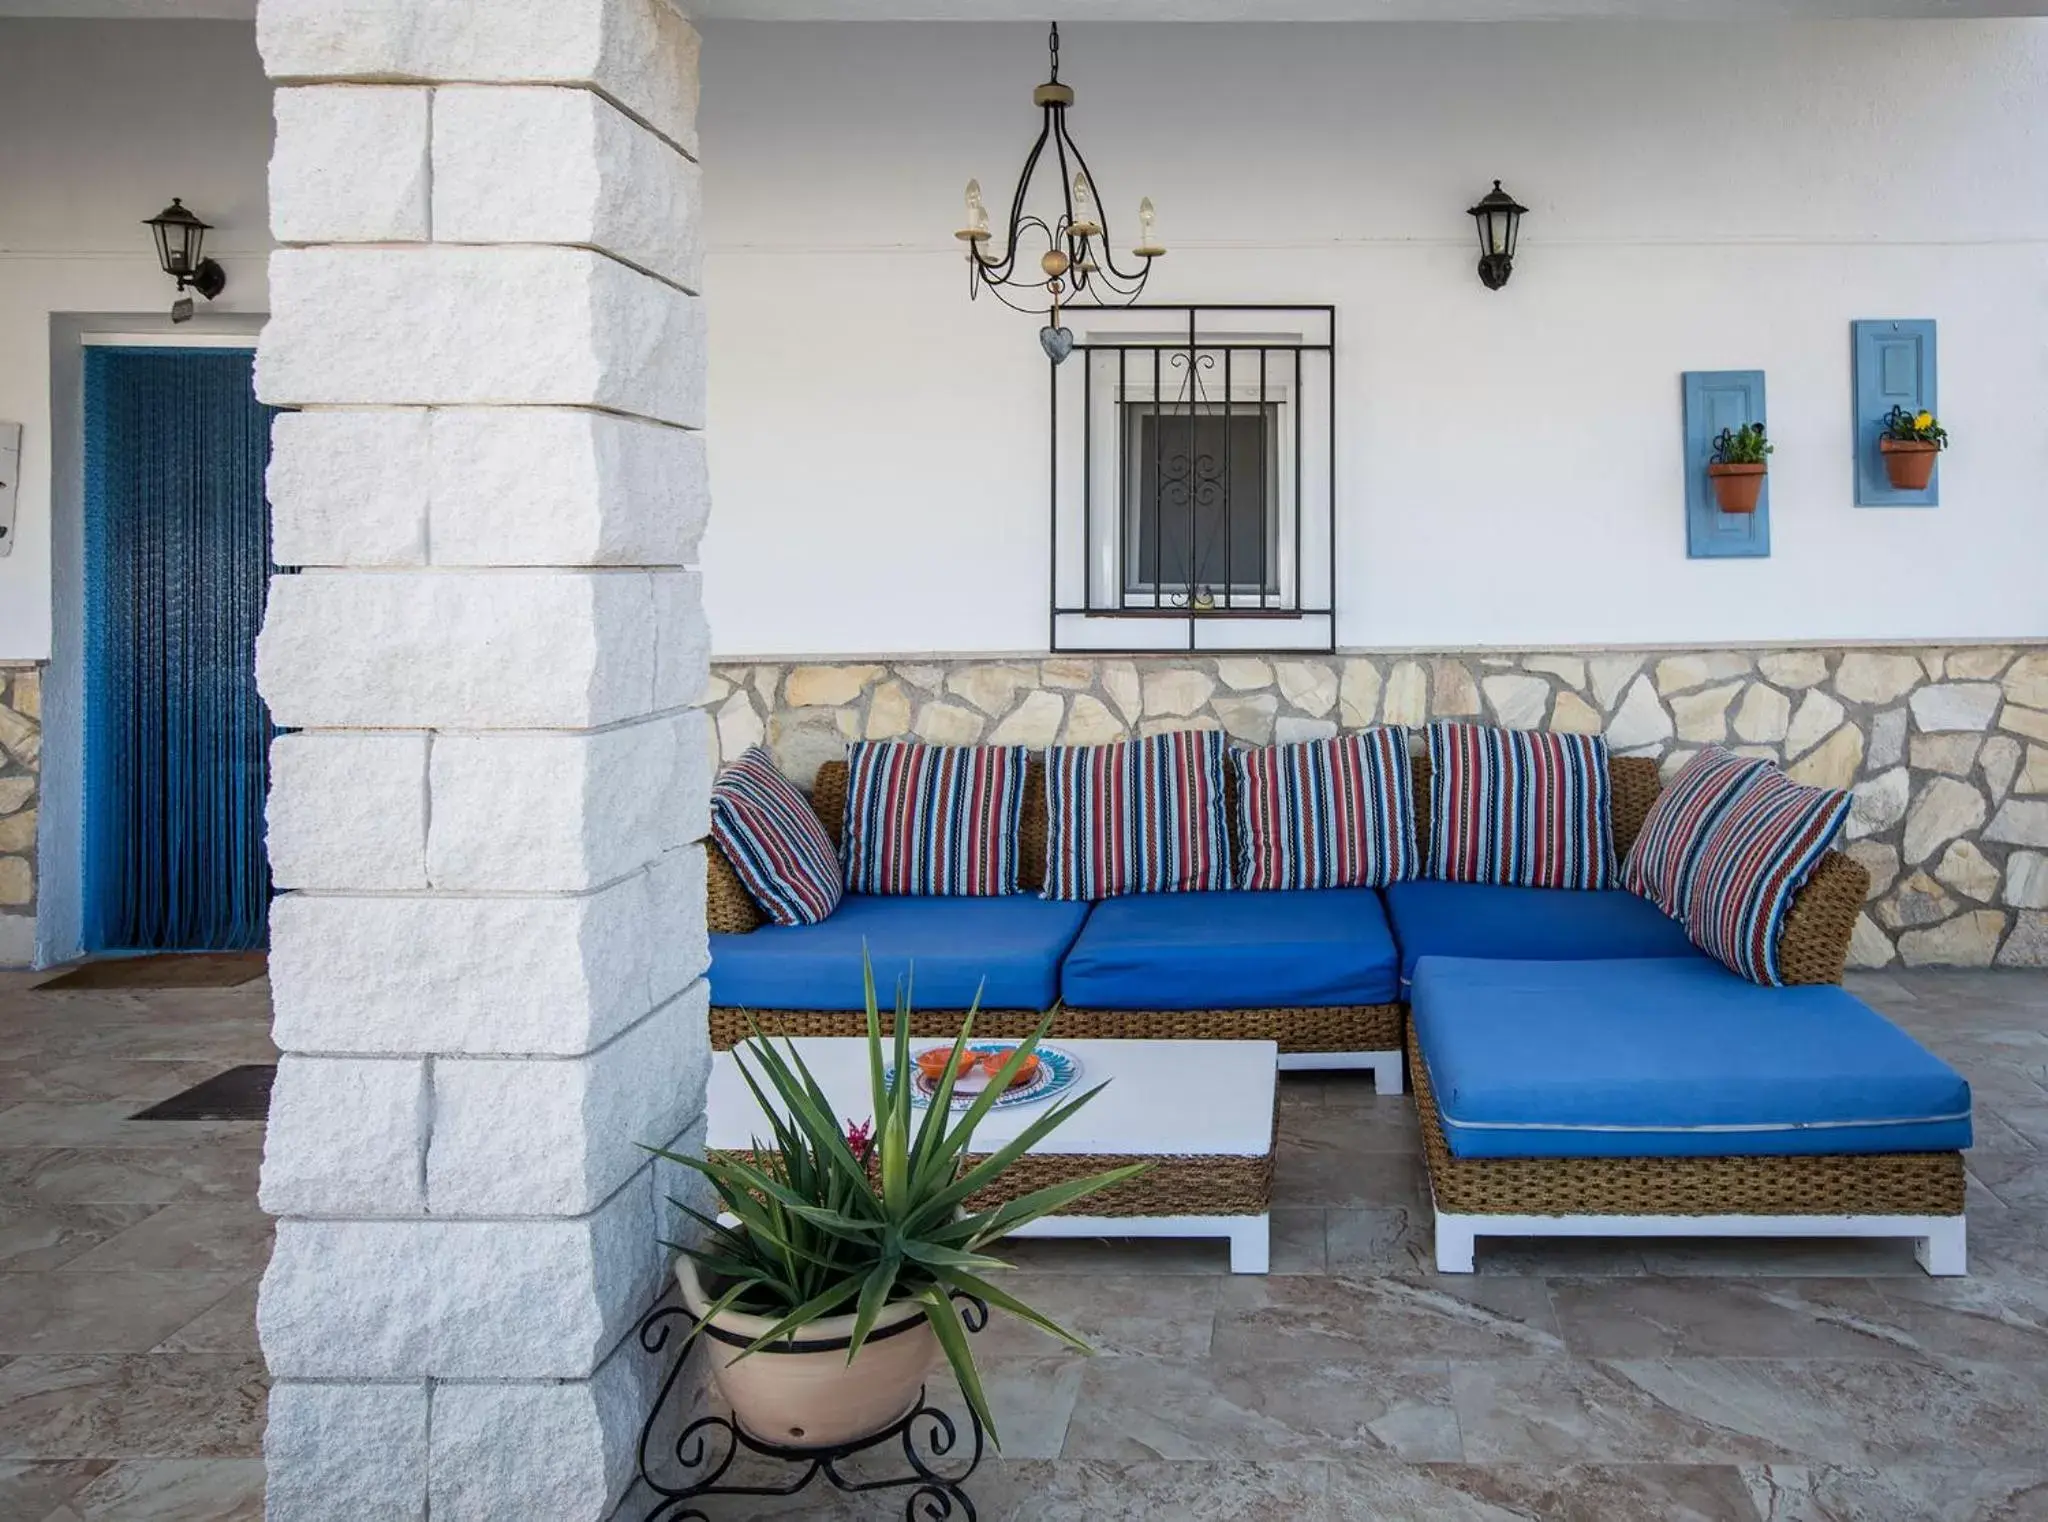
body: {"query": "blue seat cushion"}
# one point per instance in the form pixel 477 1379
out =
pixel 1441 919
pixel 1670 1057
pixel 1290 950
pixel 1014 941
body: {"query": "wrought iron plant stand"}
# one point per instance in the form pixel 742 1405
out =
pixel 694 1469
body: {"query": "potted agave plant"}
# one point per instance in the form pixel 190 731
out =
pixel 1737 469
pixel 825 1285
pixel 1910 443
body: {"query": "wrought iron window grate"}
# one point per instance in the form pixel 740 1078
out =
pixel 1193 454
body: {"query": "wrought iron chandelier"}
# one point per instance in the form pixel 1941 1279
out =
pixel 1078 262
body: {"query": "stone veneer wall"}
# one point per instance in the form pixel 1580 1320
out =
pixel 1946 749
pixel 21 743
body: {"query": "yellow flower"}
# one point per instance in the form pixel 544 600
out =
pixel 1924 420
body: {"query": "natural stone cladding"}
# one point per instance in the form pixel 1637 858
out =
pixel 1946 749
pixel 21 743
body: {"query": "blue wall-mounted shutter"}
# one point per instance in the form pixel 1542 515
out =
pixel 1893 362
pixel 1717 399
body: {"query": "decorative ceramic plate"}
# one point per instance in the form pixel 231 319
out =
pixel 1058 1071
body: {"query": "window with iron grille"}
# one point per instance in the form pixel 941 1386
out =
pixel 1192 469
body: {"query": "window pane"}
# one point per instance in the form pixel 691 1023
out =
pixel 1199 505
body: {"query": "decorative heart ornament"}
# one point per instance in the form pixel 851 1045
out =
pixel 1058 343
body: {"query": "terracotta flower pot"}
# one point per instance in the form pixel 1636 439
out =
pixel 810 1396
pixel 1909 462
pixel 1736 487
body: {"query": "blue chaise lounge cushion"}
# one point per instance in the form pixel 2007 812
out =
pixel 1014 941
pixel 1233 950
pixel 1433 918
pixel 1665 1057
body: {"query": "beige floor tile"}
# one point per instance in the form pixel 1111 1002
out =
pixel 157 1405
pixel 226 1236
pixel 112 1312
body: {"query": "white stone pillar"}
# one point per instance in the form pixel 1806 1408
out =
pixel 488 967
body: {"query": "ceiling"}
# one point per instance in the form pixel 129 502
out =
pixel 1173 10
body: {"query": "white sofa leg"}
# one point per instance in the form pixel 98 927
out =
pixel 1251 1249
pixel 1386 1073
pixel 1943 1251
pixel 1456 1242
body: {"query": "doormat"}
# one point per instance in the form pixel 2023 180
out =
pixel 183 969
pixel 241 1093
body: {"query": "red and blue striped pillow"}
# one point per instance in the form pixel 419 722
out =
pixel 1336 813
pixel 1660 864
pixel 772 837
pixel 1519 807
pixel 1136 816
pixel 933 819
pixel 1756 856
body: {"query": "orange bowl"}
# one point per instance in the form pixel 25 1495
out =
pixel 931 1062
pixel 992 1064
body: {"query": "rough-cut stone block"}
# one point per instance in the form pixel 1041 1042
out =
pixel 348 488
pixel 550 165
pixel 553 1136
pixel 1955 705
pixel 559 1450
pixel 641 53
pixel 535 486
pixel 1944 810
pixel 449 326
pixel 2026 880
pixel 348 811
pixel 1036 722
pixel 556 976
pixel 2020 823
pixel 350 165
pixel 518 1299
pixel 346 1453
pixel 1872 676
pixel 2027 946
pixel 1641 721
pixel 563 813
pixel 347 1136
pixel 1968 940
pixel 474 650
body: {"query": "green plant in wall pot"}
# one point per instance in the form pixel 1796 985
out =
pixel 825 1285
pixel 1910 443
pixel 1738 466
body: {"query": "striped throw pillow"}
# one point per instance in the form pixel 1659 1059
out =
pixel 770 833
pixel 1137 816
pixel 1757 855
pixel 933 819
pixel 1660 864
pixel 1336 813
pixel 1519 807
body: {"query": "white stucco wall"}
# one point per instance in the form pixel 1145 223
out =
pixel 101 123
pixel 1704 197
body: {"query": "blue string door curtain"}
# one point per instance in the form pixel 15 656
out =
pixel 177 559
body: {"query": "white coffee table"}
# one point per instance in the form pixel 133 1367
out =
pixel 1201 1112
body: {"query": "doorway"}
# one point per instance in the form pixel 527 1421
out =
pixel 175 564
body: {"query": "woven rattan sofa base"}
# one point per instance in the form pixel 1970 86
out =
pixel 1170 1186
pixel 1914 1194
pixel 1343 1036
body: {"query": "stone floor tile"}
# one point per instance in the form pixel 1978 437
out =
pixel 108 1123
pixel 1549 1257
pixel 1658 1317
pixel 1789 1493
pixel 1159 1316
pixel 1299 1241
pixel 2019 1179
pixel 1382 1492
pixel 224 1169
pixel 37 1234
pixel 1385 1239
pixel 227 1327
pixel 1322 1168
pixel 29 1491
pixel 1732 1410
pixel 1307 1320
pixel 228 1236
pixel 1988 1314
pixel 173 1490
pixel 1776 1257
pixel 158 1405
pixel 114 1312
pixel 1154 1408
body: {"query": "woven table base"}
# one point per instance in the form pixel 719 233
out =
pixel 1873 1184
pixel 1344 1028
pixel 1181 1185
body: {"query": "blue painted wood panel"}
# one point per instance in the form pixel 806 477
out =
pixel 1717 399
pixel 1893 363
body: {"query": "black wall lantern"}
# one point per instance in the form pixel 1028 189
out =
pixel 1499 216
pixel 180 243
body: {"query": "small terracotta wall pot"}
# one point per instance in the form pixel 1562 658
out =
pixel 1736 487
pixel 1908 462
pixel 811 1397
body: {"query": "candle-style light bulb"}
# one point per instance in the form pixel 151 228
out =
pixel 1149 246
pixel 976 230
pixel 1086 223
